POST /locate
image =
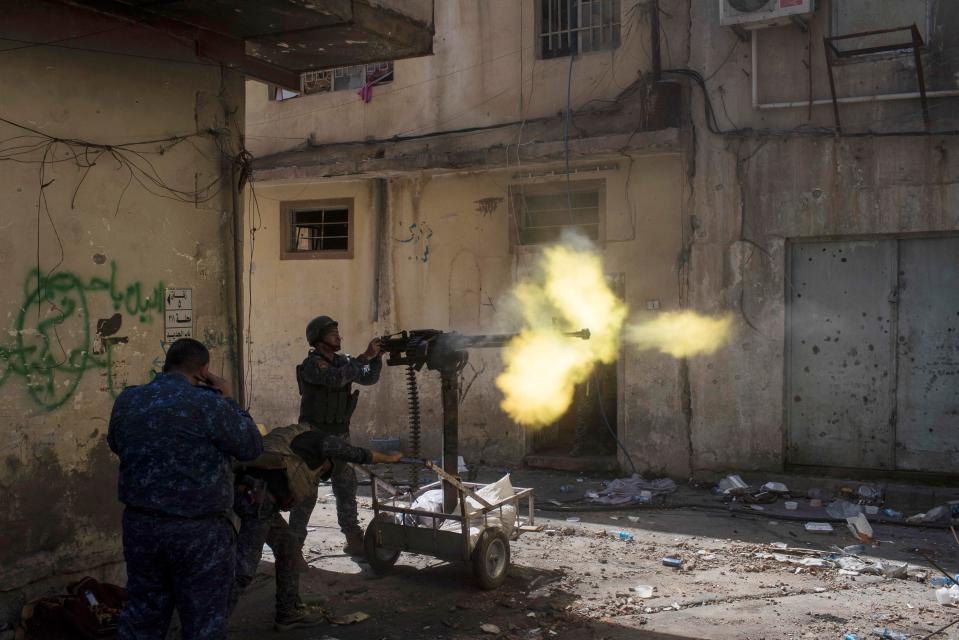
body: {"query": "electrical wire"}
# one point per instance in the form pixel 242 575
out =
pixel 602 414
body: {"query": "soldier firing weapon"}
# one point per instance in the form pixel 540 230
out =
pixel 446 352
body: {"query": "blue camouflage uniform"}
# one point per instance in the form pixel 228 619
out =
pixel 327 401
pixel 260 497
pixel 175 442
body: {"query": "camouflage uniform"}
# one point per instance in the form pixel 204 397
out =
pixel 260 498
pixel 327 401
pixel 175 442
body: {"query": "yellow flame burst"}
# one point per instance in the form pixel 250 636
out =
pixel 543 367
pixel 681 334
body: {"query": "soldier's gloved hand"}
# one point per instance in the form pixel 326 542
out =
pixel 374 348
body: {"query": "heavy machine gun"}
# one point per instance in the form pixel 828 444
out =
pixel 446 352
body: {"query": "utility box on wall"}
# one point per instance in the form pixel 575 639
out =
pixel 758 14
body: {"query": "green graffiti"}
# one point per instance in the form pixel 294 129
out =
pixel 53 343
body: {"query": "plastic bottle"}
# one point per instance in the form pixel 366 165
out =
pixel 943 581
pixel 892 513
pixel 625 536
pixel 889 634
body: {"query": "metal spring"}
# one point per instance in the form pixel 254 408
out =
pixel 413 398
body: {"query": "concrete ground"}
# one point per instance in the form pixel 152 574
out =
pixel 574 579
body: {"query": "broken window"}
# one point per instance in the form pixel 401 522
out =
pixel 544 211
pixel 338 79
pixel 317 229
pixel 570 27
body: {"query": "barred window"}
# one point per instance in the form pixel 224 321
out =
pixel 317 229
pixel 570 27
pixel 544 211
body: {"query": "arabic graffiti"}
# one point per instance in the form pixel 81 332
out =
pixel 420 234
pixel 52 343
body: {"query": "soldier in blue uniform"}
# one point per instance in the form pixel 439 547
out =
pixel 295 458
pixel 327 401
pixel 176 438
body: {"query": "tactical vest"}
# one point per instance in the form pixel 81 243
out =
pixel 327 409
pixel 278 455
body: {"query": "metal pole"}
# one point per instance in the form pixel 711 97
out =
pixel 451 390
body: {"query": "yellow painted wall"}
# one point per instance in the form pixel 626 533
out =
pixel 453 271
pixel 97 243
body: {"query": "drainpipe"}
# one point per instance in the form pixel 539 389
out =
pixel 379 241
pixel 656 61
pixel 801 104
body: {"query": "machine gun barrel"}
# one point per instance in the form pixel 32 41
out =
pixel 497 340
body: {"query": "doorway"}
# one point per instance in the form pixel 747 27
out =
pixel 583 438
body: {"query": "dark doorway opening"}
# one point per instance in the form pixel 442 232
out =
pixel 584 439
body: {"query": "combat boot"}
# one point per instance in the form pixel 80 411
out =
pixel 299 618
pixel 354 544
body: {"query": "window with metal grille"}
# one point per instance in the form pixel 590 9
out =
pixel 338 79
pixel 317 229
pixel 570 27
pixel 544 211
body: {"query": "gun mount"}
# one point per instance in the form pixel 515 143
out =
pixel 446 352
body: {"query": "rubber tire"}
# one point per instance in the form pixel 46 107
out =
pixel 491 541
pixel 378 558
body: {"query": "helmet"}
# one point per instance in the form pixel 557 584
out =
pixel 318 327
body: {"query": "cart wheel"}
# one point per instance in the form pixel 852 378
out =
pixel 381 559
pixel 491 559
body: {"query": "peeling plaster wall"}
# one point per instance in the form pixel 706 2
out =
pixel 449 266
pixel 101 249
pixel 752 193
pixel 484 71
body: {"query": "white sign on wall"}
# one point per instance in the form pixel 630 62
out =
pixel 178 319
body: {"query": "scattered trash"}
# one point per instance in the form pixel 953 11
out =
pixel 790 505
pixel 819 527
pixel 625 536
pixel 850 636
pixel 490 628
pixel 870 495
pixel 854 549
pixel 933 515
pixel 633 518
pixel 643 590
pixel 632 489
pixel 756 507
pixel 567 488
pixel 775 487
pixel 889 634
pixel 843 509
pixel 871 509
pixel 892 513
pixel 572 519
pixel 948 595
pixel 943 581
pixel 348 618
pixel 673 561
pixel 860 528
pixel 732 482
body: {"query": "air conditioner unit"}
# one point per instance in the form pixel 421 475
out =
pixel 757 14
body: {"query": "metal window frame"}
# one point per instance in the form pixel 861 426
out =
pixel 834 54
pixel 553 188
pixel 287 211
pixel 834 27
pixel 610 22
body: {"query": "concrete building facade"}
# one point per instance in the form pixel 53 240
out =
pixel 710 197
